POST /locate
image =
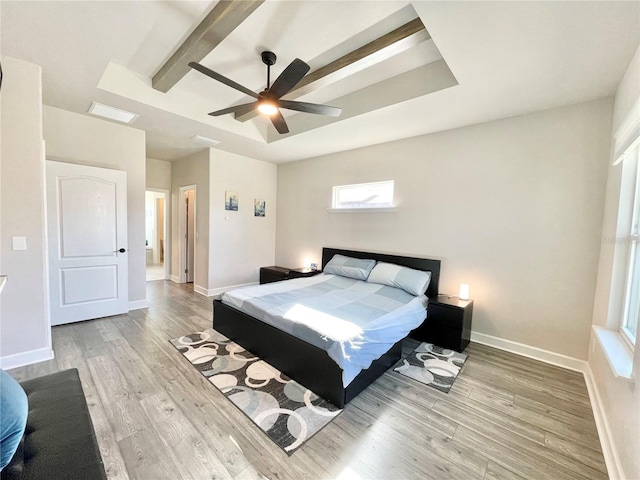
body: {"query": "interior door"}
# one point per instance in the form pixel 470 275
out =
pixel 87 230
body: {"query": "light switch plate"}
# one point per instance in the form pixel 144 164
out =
pixel 19 243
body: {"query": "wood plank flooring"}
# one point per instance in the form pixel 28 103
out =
pixel 156 417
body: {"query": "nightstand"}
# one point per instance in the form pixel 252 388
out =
pixel 277 274
pixel 448 323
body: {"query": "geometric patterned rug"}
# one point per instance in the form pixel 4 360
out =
pixel 432 365
pixel 287 412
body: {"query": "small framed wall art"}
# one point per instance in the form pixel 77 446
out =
pixel 231 201
pixel 259 207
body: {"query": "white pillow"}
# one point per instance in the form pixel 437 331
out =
pixel 412 281
pixel 349 267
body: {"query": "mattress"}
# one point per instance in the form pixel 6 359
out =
pixel 354 321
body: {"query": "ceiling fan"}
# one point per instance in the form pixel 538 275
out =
pixel 269 101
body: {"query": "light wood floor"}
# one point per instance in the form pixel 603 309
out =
pixel 156 417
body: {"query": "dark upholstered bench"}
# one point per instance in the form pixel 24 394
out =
pixel 59 441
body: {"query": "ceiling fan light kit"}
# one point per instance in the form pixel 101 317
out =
pixel 268 101
pixel 268 108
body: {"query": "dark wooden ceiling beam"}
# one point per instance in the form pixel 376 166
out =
pixel 393 43
pixel 380 49
pixel 216 26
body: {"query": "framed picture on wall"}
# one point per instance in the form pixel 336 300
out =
pixel 231 201
pixel 259 207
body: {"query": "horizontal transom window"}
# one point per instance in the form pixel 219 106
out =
pixel 363 195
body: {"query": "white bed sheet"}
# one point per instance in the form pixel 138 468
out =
pixel 354 321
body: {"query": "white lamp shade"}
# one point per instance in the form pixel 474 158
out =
pixel 464 291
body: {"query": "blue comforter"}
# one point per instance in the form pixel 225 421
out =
pixel 356 322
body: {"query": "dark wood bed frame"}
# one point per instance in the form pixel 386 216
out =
pixel 305 363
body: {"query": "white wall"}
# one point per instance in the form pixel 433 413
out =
pixel 230 246
pixel 193 170
pixel 240 242
pixel 25 332
pixel 512 207
pixel 158 174
pixel 81 139
pixel 620 400
pixel 627 91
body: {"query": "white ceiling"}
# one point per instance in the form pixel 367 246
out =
pixel 508 58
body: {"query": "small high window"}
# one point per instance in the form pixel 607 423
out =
pixel 363 196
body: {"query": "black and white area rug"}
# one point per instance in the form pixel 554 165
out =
pixel 432 365
pixel 286 411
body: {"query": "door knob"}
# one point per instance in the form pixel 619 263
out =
pixel 122 250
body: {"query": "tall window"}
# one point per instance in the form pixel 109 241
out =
pixel 363 195
pixel 631 312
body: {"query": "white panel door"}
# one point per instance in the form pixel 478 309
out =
pixel 87 229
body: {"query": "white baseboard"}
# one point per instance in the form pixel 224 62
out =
pixel 26 358
pixel 535 353
pixel 216 291
pixel 611 459
pixel 210 292
pixel 614 467
pixel 200 290
pixel 138 304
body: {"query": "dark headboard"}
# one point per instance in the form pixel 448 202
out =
pixel 424 264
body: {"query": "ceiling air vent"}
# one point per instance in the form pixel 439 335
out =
pixel 207 142
pixel 112 113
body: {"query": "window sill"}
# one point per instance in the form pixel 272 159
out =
pixel 362 210
pixel 619 355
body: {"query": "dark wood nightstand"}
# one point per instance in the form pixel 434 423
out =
pixel 448 323
pixel 277 274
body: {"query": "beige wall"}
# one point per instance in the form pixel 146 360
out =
pixel 627 91
pixel 193 170
pixel 240 242
pixel 81 139
pixel 230 246
pixel 512 207
pixel 158 174
pixel 620 399
pixel 25 332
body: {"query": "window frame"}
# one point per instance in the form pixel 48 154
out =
pixel 631 308
pixel 615 342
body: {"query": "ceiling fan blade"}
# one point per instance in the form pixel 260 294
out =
pixel 237 109
pixel 289 78
pixel 216 76
pixel 310 108
pixel 278 121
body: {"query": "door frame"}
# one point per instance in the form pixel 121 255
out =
pixel 182 231
pixel 166 194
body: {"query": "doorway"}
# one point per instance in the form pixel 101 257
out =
pixel 188 233
pixel 156 248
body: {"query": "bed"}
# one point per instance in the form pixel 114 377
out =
pixel 303 361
